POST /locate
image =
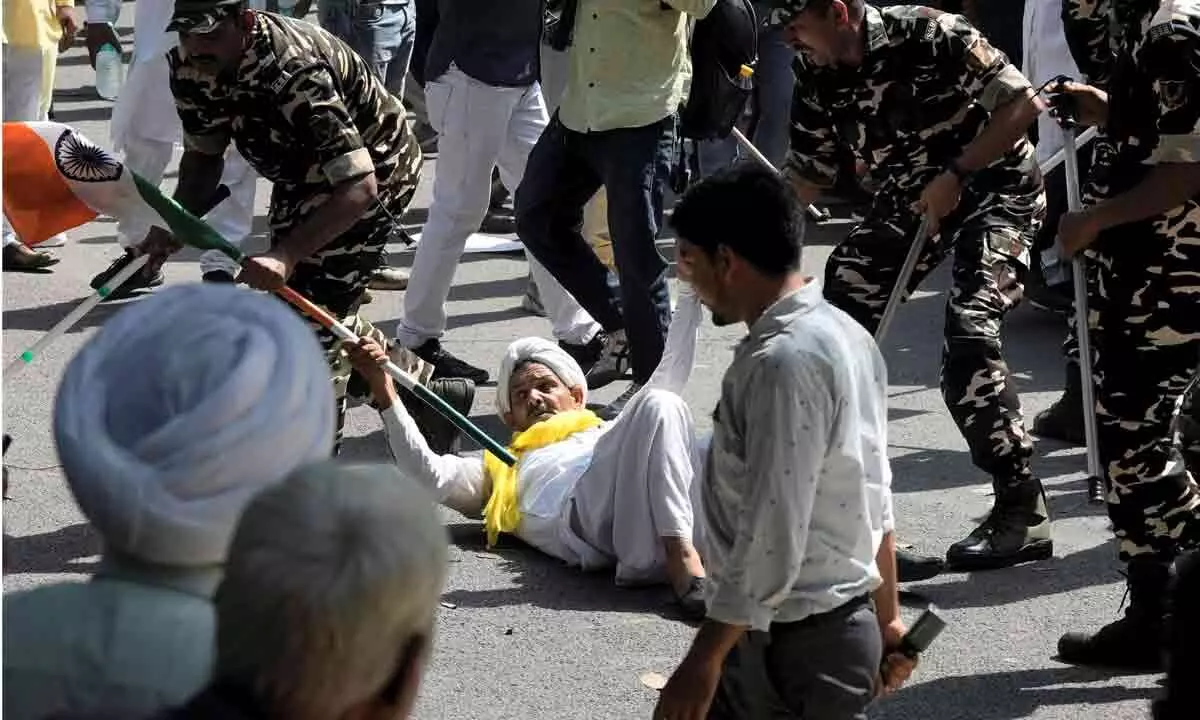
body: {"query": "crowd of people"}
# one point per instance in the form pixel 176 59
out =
pixel 288 584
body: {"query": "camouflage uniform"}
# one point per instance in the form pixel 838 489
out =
pixel 1144 316
pixel 1143 312
pixel 308 113
pixel 926 88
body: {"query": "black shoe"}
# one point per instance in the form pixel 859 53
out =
pixel 911 567
pixel 141 280
pixel 443 436
pixel 1017 530
pixel 446 365
pixel 218 276
pixel 587 354
pixel 498 223
pixel 691 603
pixel 1137 640
pixel 1063 421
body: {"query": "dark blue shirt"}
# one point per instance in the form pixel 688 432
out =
pixel 496 42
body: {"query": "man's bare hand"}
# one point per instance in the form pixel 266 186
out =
pixel 368 359
pixel 269 271
pixel 938 199
pixel 96 36
pixel 897 667
pixel 159 243
pixel 70 26
pixel 1085 104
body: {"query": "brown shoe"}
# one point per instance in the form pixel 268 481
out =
pixel 389 278
pixel 20 258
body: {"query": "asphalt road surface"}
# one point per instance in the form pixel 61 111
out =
pixel 521 636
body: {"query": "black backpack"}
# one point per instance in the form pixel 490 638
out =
pixel 721 43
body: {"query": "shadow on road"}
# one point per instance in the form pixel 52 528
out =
pixel 1006 695
pixel 544 582
pixel 1093 566
pixel 44 317
pixel 59 551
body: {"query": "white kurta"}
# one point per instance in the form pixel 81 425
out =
pixel 1046 55
pixel 602 497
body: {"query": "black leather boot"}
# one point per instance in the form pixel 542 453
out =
pixel 911 567
pixel 442 435
pixel 1017 530
pixel 1063 421
pixel 1135 641
pixel 1179 700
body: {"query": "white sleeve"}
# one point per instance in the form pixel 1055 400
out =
pixel 459 483
pixel 679 355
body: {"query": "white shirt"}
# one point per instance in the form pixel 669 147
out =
pixel 1046 56
pixel 797 489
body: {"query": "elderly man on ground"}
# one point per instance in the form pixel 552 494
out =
pixel 167 423
pixel 329 600
pixel 588 492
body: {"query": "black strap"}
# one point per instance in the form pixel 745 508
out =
pixel 564 29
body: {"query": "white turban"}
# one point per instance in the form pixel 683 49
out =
pixel 542 352
pixel 181 409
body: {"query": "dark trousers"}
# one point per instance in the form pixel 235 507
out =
pixel 988 236
pixel 820 668
pixel 564 170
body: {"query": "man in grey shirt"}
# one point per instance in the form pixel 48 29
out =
pixel 802 600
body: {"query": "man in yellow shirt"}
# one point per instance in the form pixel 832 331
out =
pixel 34 32
pixel 615 127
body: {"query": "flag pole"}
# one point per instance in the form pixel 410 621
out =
pixel 345 334
pixel 26 358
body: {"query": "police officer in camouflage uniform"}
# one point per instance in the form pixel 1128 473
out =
pixel 940 117
pixel 309 115
pixel 1140 233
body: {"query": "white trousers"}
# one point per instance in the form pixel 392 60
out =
pixel 146 127
pixel 641 486
pixel 479 127
pixel 23 71
pixel 1046 55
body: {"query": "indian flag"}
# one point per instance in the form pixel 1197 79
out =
pixel 55 179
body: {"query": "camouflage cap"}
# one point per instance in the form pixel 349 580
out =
pixel 782 12
pixel 202 16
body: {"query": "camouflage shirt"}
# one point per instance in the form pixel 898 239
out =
pixel 1152 53
pixel 304 110
pixel 925 89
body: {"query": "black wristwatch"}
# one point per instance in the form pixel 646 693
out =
pixel 964 176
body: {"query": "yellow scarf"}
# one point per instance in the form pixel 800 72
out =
pixel 503 513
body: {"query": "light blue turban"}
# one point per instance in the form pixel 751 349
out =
pixel 181 408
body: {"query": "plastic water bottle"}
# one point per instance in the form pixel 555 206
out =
pixel 110 71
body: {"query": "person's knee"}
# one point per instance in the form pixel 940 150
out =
pixel 661 407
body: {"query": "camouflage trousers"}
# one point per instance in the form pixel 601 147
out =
pixel 335 278
pixel 990 256
pixel 1144 326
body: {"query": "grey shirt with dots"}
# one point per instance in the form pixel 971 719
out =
pixel 797 489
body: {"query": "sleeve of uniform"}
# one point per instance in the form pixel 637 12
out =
pixel 1170 58
pixel 1086 27
pixel 313 105
pixel 207 124
pixel 457 482
pixel 813 155
pixel 786 437
pixel 986 75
